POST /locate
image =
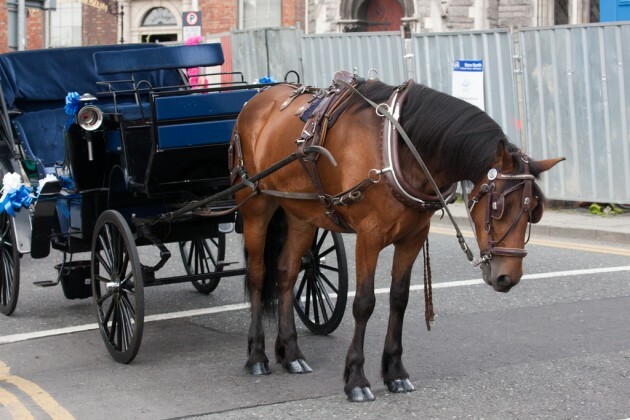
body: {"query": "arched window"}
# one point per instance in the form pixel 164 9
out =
pixel 159 16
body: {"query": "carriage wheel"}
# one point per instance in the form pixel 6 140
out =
pixel 117 286
pixel 322 291
pixel 9 266
pixel 201 256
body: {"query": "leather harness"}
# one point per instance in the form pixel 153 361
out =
pixel 325 106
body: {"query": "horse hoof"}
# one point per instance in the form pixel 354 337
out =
pixel 399 385
pixel 361 394
pixel 298 366
pixel 259 369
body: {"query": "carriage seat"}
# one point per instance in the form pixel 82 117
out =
pixel 131 62
pixel 198 119
pixel 130 111
pixel 36 99
pixel 42 136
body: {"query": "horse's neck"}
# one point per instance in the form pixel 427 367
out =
pixel 445 171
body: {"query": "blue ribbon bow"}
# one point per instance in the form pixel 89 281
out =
pixel 267 79
pixel 73 104
pixel 13 201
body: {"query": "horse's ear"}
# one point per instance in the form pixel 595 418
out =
pixel 545 165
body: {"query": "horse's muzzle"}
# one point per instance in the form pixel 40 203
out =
pixel 500 283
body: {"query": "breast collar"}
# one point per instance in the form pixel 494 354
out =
pixel 394 174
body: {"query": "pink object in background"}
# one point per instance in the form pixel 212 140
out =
pixel 193 73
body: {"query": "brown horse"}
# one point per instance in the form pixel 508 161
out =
pixel 456 140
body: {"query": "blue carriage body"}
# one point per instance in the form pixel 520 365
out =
pixel 161 142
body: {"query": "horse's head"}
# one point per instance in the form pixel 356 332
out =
pixel 503 205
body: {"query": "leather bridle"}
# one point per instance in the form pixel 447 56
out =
pixel 495 208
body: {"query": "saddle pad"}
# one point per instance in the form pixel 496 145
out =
pixel 309 111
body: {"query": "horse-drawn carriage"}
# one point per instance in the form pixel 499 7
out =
pixel 151 160
pixel 102 141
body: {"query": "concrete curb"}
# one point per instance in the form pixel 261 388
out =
pixel 562 223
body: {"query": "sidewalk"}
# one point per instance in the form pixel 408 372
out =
pixel 572 223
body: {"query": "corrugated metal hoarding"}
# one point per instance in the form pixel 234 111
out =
pixel 573 81
pixel 434 56
pixel 324 54
pixel 266 52
pixel 577 92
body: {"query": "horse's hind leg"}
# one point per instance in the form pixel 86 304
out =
pixel 394 374
pixel 298 241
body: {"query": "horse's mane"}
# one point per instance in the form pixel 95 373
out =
pixel 442 125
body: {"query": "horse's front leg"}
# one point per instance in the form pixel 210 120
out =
pixel 395 376
pixel 254 236
pixel 298 241
pixel 357 387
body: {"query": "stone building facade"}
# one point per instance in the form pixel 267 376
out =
pixel 445 15
pixel 93 22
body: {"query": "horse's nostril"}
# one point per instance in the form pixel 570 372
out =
pixel 503 281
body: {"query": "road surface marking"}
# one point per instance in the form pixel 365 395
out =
pixel 15 338
pixel 601 249
pixel 44 400
pixel 16 409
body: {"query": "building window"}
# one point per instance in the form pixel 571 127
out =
pixel 260 13
pixel 593 11
pixel 561 12
pixel 159 25
pixel 66 24
pixel 159 16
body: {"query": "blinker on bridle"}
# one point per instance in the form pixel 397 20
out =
pixel 496 205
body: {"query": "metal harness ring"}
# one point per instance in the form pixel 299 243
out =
pixel 379 112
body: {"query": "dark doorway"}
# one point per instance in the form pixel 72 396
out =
pixel 159 38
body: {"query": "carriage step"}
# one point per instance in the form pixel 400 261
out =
pixel 46 283
pixel 226 227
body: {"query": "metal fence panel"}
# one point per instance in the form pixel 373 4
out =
pixel 434 57
pixel 266 52
pixel 324 54
pixel 577 95
pixel 575 88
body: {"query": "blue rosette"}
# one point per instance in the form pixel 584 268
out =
pixel 73 104
pixel 15 199
pixel 267 79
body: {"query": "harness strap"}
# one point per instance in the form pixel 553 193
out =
pixel 345 198
pixel 314 134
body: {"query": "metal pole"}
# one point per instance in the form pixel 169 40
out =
pixel 21 25
pixel 122 23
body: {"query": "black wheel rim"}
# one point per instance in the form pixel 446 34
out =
pixel 322 287
pixel 203 256
pixel 117 287
pixel 9 267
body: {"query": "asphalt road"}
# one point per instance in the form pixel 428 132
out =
pixel 556 346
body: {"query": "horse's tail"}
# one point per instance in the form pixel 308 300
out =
pixel 276 235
